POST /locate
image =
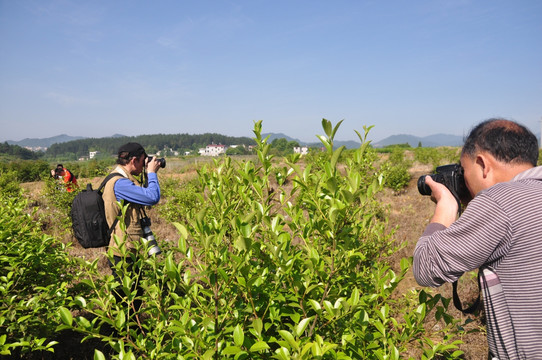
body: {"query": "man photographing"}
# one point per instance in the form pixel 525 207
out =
pixel 125 187
pixel 499 233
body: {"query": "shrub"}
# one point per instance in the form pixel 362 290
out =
pixel 180 199
pixel 27 170
pixel 265 271
pixel 35 278
pixel 9 186
pixel 397 176
pixel 60 200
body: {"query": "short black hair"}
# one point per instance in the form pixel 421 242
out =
pixel 506 140
pixel 128 151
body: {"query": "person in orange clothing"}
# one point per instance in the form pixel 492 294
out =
pixel 69 180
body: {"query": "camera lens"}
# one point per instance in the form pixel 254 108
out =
pixel 422 186
pixel 161 161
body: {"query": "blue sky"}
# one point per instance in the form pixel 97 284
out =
pixel 98 68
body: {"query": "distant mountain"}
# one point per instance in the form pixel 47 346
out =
pixel 349 144
pixel 45 142
pixel 273 136
pixel 412 140
pixel 426 141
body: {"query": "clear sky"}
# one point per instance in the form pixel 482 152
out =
pixel 421 67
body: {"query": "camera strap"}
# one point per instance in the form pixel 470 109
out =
pixel 457 302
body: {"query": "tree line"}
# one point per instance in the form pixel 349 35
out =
pixel 17 152
pixel 152 143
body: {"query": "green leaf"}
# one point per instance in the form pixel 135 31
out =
pixel 326 143
pixel 65 315
pixel 335 129
pixel 286 335
pixel 282 354
pixel 79 300
pixel 120 319
pixel 238 335
pixel 300 328
pixel 98 355
pixel 315 305
pixel 182 230
pixel 336 155
pixel 257 325
pixel 259 346
pixel 231 350
pixel 326 125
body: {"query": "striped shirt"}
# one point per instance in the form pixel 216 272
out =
pixel 501 233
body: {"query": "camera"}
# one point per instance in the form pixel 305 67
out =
pixel 148 237
pixel 452 177
pixel 162 161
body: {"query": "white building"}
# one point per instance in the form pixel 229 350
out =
pixel 213 150
pixel 303 150
pixel 92 154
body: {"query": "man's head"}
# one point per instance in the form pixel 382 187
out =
pixel 495 151
pixel 133 156
pixel 506 140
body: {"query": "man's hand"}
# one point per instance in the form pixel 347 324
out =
pixel 447 207
pixel 154 165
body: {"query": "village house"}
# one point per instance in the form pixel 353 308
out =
pixel 213 150
pixel 303 150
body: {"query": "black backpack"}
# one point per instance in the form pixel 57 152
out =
pixel 88 217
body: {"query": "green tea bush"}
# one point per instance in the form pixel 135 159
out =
pixel 26 170
pixel 396 170
pixel 267 271
pixel 180 199
pixel 437 156
pixel 9 186
pixel 59 201
pixel 35 281
pixel 396 176
pixel 90 168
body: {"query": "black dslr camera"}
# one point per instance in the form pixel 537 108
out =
pixel 162 161
pixel 452 177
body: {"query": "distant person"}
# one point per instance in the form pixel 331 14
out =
pixel 499 233
pixel 65 176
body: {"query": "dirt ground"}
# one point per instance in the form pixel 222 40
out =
pixel 409 212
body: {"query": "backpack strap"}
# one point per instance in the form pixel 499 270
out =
pixel 457 302
pixel 100 190
pixel 107 178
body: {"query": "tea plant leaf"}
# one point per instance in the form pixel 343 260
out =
pixel 65 316
pixel 326 125
pixel 182 230
pixel 120 320
pixel 326 143
pixel 336 154
pixel 257 325
pixel 286 335
pixel 259 346
pixel 98 355
pixel 300 328
pixel 238 335
pixel 232 350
